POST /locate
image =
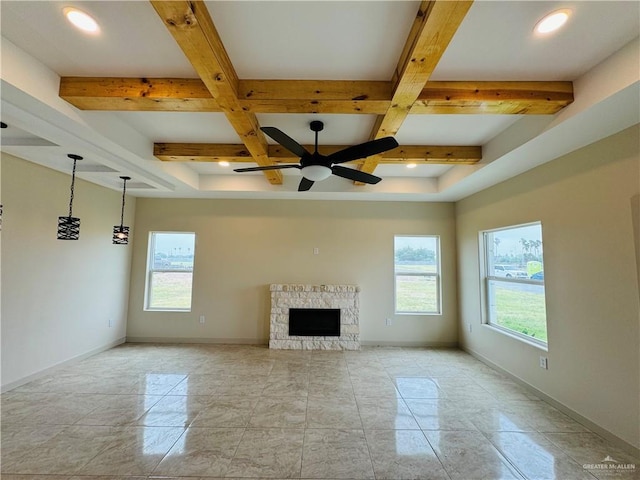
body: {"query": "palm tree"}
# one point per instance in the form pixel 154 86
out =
pixel 536 247
pixel 497 242
pixel 526 246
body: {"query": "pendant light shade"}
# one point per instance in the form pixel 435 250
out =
pixel 69 227
pixel 121 232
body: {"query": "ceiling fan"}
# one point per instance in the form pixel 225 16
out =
pixel 315 166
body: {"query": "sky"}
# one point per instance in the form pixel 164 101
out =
pixel 166 242
pixel 415 242
pixel 510 239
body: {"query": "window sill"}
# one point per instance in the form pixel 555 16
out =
pixel 503 331
pixel 172 310
pixel 419 314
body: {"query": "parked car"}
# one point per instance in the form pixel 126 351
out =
pixel 538 275
pixel 509 271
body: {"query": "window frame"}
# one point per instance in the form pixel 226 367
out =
pixel 150 271
pixel 486 279
pixel 437 275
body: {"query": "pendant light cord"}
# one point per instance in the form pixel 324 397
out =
pixel 124 191
pixel 73 181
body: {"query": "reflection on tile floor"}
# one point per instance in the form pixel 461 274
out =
pixel 171 411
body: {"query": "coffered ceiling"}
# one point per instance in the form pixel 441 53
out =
pixel 168 89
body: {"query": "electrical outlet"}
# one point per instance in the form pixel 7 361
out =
pixel 388 322
pixel 470 326
pixel 543 363
pixel 316 251
pixel 110 322
pixel 201 319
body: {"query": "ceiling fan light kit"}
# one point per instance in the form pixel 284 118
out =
pixel 315 167
pixel 316 173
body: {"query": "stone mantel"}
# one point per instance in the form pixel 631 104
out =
pixel 286 296
pixel 296 287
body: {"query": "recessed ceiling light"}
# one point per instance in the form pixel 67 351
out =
pixel 411 165
pixel 552 21
pixel 223 163
pixel 81 20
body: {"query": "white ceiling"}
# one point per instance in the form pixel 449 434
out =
pixel 314 40
pixel 361 40
pixel 496 40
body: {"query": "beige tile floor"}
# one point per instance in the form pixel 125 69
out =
pixel 149 411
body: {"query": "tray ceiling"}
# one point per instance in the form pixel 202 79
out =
pixel 360 63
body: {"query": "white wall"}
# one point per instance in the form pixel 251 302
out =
pixel 58 296
pixel 242 246
pixel 587 202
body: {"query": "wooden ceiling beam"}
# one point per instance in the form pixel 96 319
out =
pixel 519 98
pixel 192 28
pixel 433 28
pixel 138 94
pixel 255 96
pixel 309 96
pixel 211 152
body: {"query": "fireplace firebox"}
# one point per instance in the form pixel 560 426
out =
pixel 314 322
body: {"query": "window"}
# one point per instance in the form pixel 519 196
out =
pixel 514 281
pixel 417 274
pixel 170 271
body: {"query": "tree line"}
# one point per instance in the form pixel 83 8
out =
pixel 531 250
pixel 410 254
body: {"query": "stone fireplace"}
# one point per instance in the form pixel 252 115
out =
pixel 314 297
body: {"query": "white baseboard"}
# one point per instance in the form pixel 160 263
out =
pixel 65 363
pixel 614 439
pixel 261 341
pixel 229 341
pixel 374 343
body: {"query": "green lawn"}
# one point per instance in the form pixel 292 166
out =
pixel 171 290
pixel 401 268
pixel 416 294
pixel 523 312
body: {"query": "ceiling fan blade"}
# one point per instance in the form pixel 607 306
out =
pixel 285 140
pixel 305 184
pixel 363 150
pixel 355 175
pixel 268 167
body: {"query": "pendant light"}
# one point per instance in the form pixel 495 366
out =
pixel 69 227
pixel 121 232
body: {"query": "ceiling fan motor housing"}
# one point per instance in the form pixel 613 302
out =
pixel 315 166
